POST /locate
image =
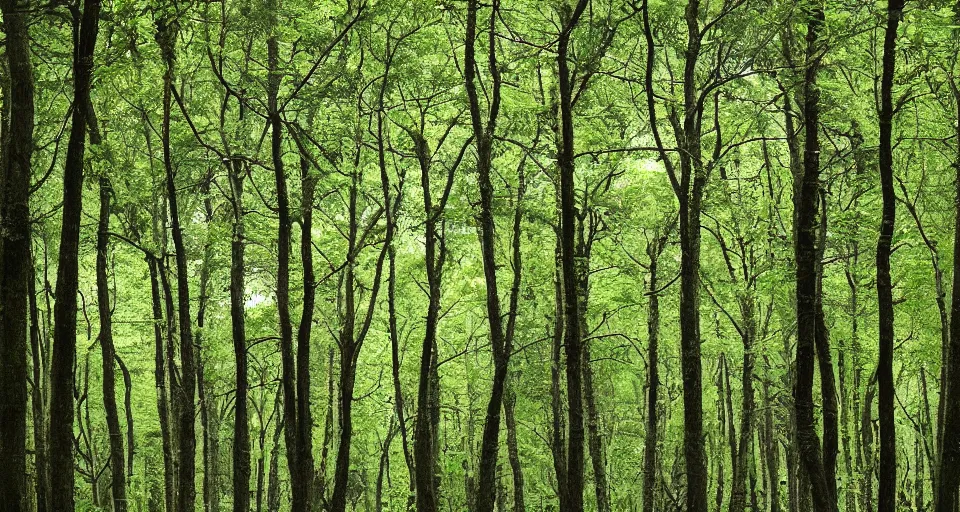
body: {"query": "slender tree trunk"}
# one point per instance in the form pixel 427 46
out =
pixel 210 435
pixel 594 439
pixel 738 493
pixel 160 378
pixel 41 477
pixel 866 432
pixel 501 338
pixel 128 411
pixel 117 466
pixel 808 442
pixel 186 410
pixel 299 482
pixel 651 438
pixel 772 462
pixel 888 435
pixel 241 421
pixel 65 308
pixel 557 437
pixel 573 342
pixel 828 386
pixel 15 258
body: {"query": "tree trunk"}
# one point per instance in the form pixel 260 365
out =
pixel 128 411
pixel 42 475
pixel 65 309
pixel 888 435
pixel 117 466
pixel 828 385
pixel 651 438
pixel 15 259
pixel 160 379
pixel 808 442
pixel 241 423
pixel 573 342
pixel 513 450
pixel 186 398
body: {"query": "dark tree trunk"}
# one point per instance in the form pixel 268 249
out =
pixel 160 379
pixel 651 437
pixel 39 355
pixel 501 339
pixel 304 416
pixel 128 411
pixel 689 188
pixel 211 439
pixel 187 388
pixel 241 423
pixel 573 342
pixel 65 309
pixel 828 385
pixel 118 468
pixel 425 446
pixel 557 437
pixel 513 450
pixel 353 330
pixel 772 462
pixel 888 435
pixel 15 260
pixel 808 441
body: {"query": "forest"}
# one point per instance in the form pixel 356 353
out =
pixel 480 255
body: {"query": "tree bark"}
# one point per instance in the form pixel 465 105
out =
pixel 573 342
pixel 65 308
pixel 888 435
pixel 160 379
pixel 15 259
pixel 808 442
pixel 241 423
pixel 118 468
pixel 186 398
pixel 651 437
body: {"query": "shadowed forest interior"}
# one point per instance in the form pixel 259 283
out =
pixel 465 255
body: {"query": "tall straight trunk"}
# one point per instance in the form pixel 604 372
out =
pixel 186 397
pixel 425 447
pixel 15 259
pixel 241 421
pixel 299 477
pixel 690 196
pixel 160 380
pixel 424 463
pixel 395 355
pixel 557 438
pixel 888 435
pixel 118 468
pixel 305 329
pixel 689 188
pixel 808 441
pixel 948 474
pixel 651 437
pixel 65 308
pixel 594 438
pixel 573 342
pixel 37 398
pixel 738 493
pixel 772 462
pixel 869 455
pixel 211 439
